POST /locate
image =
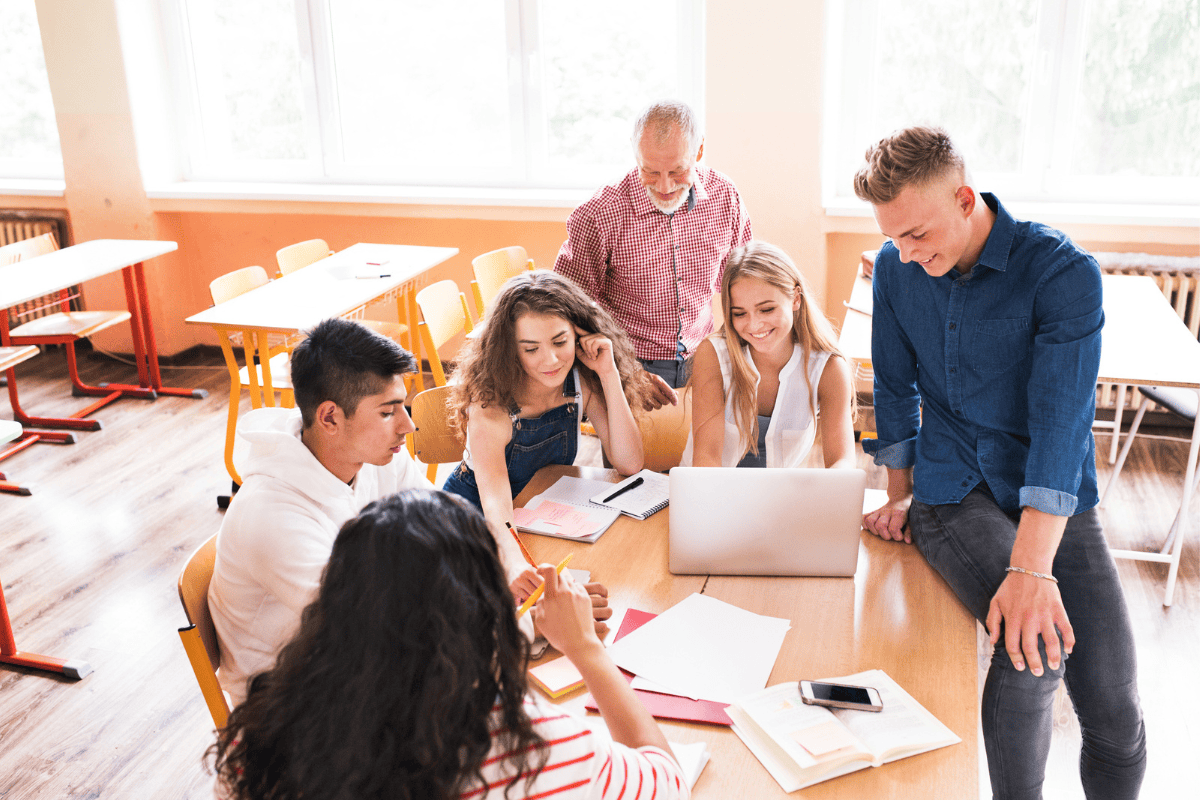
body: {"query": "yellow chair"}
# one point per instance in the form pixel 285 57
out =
pixel 274 370
pixel 434 441
pixel 301 254
pixel 63 327
pixel 444 314
pixel 200 637
pixel 492 270
pixel 665 433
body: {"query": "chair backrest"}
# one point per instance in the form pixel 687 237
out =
pixel 25 249
pixel 665 433
pixel 301 254
pixel 434 440
pixel 240 281
pixel 205 658
pixel 444 309
pixel 493 269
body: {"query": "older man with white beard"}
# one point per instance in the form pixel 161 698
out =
pixel 651 248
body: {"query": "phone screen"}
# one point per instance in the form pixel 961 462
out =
pixel 831 692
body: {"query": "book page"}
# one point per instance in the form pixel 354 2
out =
pixel 904 727
pixel 810 735
pixel 576 491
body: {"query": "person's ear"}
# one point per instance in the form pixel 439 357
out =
pixel 328 417
pixel 797 298
pixel 964 198
pixel 700 152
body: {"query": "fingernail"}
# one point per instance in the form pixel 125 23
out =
pixel 1053 665
pixel 1020 665
pixel 1037 671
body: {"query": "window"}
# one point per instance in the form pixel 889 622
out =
pixel 28 129
pixel 524 93
pixel 1050 100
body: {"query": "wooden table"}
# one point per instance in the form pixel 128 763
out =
pixel 52 272
pixel 297 302
pixel 1144 342
pixel 896 614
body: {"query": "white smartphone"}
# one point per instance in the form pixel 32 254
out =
pixel 840 695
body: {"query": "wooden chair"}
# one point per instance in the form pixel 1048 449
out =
pixel 434 441
pixel 65 326
pixel 9 429
pixel 200 637
pixel 492 270
pixel 301 254
pixel 274 370
pixel 444 314
pixel 665 433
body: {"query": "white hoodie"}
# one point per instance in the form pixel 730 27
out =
pixel 277 536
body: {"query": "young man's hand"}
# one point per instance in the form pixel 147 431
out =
pixel 1030 607
pixel 890 521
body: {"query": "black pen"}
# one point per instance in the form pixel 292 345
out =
pixel 631 485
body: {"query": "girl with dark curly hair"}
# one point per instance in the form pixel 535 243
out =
pixel 548 357
pixel 407 680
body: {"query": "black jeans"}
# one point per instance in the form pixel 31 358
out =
pixel 673 371
pixel 969 545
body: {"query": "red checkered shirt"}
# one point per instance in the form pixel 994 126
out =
pixel 655 273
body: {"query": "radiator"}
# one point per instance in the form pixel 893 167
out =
pixel 1179 279
pixel 18 225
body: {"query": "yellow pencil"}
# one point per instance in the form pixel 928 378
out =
pixel 537 593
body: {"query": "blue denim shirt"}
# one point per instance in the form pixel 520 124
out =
pixel 991 376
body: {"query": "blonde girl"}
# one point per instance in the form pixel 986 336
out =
pixel 763 384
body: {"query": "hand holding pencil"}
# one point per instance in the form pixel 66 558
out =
pixel 564 615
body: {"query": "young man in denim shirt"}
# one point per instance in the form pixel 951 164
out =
pixel 986 346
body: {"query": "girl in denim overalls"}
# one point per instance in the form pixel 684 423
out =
pixel 548 358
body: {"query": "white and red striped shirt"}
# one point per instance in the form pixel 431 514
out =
pixel 655 273
pixel 582 765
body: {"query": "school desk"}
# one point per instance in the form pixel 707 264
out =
pixel 895 614
pixel 298 301
pixel 1144 342
pixel 53 272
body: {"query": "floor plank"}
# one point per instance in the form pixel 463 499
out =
pixel 89 565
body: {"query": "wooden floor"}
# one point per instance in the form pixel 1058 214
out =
pixel 89 565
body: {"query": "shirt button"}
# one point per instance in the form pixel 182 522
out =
pixel 952 326
pixel 953 370
pixel 966 483
pixel 958 411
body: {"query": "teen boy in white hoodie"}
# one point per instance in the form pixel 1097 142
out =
pixel 307 471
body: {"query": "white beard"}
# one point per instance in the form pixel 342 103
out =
pixel 671 207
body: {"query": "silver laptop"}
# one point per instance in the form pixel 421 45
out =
pixel 730 521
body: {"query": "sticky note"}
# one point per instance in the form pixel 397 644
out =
pixel 556 677
pixel 825 738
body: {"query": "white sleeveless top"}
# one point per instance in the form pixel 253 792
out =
pixel 791 433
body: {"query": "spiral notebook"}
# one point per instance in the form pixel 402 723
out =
pixel 638 496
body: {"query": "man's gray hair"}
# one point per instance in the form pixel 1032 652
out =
pixel 662 120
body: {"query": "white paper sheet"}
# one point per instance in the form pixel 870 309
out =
pixel 704 648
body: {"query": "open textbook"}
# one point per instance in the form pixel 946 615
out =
pixel 801 745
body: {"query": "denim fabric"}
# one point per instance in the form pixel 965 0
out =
pixel 674 371
pixel 552 438
pixel 991 376
pixel 969 544
pixel 760 460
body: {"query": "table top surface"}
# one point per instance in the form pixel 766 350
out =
pixel 1144 341
pixel 35 277
pixel 896 614
pixel 324 289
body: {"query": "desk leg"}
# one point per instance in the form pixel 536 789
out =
pixel 1189 482
pixel 144 344
pixel 413 317
pixel 9 654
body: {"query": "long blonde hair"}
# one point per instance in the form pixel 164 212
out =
pixel 810 328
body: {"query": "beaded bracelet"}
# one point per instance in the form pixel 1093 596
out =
pixel 1031 572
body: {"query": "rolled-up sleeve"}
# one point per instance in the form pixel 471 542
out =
pixel 1062 385
pixel 897 399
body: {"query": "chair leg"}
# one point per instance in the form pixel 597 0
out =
pixel 1133 429
pixel 1117 413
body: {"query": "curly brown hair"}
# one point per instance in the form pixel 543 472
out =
pixel 489 367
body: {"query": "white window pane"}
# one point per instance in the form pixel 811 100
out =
pixel 28 130
pixel 604 63
pixel 964 66
pixel 260 92
pixel 1139 108
pixel 422 85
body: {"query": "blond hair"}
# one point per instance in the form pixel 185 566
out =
pixel 810 329
pixel 911 157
